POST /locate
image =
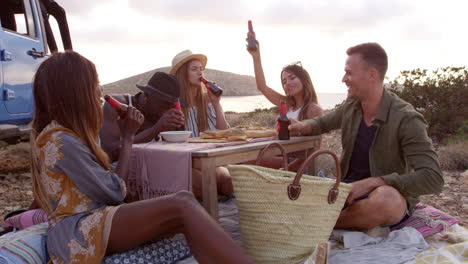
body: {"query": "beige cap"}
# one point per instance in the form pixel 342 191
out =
pixel 185 56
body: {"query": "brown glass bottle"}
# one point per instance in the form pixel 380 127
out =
pixel 216 90
pixel 283 123
pixel 251 40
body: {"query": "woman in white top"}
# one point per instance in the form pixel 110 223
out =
pixel 202 111
pixel 300 98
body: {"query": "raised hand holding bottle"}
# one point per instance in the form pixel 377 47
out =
pixel 251 39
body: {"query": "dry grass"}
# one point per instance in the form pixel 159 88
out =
pixel 454 156
pixel 260 117
pixel 15 160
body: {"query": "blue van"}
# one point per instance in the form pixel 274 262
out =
pixel 26 39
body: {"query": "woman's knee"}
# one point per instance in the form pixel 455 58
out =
pixel 183 199
pixel 222 172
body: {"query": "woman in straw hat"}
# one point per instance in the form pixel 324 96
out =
pixel 300 96
pixel 73 182
pixel 203 110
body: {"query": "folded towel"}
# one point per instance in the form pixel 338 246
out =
pixel 399 246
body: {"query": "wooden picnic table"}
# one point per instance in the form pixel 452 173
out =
pixel 207 160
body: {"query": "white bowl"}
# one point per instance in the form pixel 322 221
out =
pixel 176 136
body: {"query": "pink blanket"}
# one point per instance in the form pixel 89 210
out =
pixel 161 168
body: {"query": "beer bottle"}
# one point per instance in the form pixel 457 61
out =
pixel 283 123
pixel 118 106
pixel 216 90
pixel 251 40
pixel 177 104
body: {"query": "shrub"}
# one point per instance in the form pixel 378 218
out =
pixel 441 96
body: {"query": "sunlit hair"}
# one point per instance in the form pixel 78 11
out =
pixel 373 54
pixel 310 96
pixel 66 91
pixel 193 95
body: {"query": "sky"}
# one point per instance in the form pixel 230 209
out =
pixel 127 37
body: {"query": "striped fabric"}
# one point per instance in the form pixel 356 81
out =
pixel 25 246
pixel 428 220
pixel 27 219
pixel 192 119
pixel 24 252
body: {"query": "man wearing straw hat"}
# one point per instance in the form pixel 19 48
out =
pixel 387 155
pixel 155 102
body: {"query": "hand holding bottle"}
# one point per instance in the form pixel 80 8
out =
pixel 251 38
pixel 253 47
pixel 118 106
pixel 171 120
pixel 297 128
pixel 131 122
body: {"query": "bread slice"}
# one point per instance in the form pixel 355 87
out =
pixel 261 133
pixel 237 138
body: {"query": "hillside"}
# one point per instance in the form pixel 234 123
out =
pixel 233 84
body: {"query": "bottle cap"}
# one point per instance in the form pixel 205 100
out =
pixel 250 25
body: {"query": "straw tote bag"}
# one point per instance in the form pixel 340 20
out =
pixel 283 215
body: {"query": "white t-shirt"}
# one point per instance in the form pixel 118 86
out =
pixel 293 114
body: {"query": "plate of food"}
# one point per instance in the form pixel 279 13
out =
pixel 238 133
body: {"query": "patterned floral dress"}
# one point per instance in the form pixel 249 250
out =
pixel 83 195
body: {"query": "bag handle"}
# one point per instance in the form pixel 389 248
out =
pixel 294 189
pixel 281 148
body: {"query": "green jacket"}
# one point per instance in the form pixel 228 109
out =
pixel 401 153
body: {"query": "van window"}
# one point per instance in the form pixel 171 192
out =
pixel 20 20
pixel 16 16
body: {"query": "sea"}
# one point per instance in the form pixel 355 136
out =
pixel 242 104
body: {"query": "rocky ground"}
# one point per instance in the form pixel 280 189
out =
pixel 16 184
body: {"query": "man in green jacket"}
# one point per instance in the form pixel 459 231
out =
pixel 387 155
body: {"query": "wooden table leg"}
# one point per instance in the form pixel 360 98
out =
pixel 210 192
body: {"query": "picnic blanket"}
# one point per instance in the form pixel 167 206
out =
pixel 447 246
pixel 400 246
